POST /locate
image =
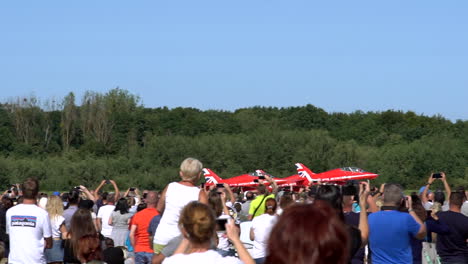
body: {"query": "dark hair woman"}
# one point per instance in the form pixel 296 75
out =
pixel 331 194
pixel 120 219
pixel 308 234
pixel 81 225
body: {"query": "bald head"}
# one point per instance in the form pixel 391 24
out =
pixel 152 198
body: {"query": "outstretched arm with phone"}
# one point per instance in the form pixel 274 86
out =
pixel 100 186
pixel 426 188
pixel 448 191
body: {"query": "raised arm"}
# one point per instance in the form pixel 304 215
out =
pixel 116 189
pixel 100 186
pixel 233 234
pixel 231 194
pixel 422 227
pixel 448 191
pixel 126 192
pixel 424 199
pixel 364 191
pixel 88 194
pixel 273 185
pixel 223 201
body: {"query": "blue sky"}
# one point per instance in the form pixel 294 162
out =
pixel 341 56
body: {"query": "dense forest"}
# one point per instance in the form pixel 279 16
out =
pixel 113 135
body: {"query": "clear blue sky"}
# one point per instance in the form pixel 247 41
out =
pixel 226 54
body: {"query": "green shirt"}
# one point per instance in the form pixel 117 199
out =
pixel 256 203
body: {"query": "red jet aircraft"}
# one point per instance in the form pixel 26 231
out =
pixel 244 180
pixel 340 175
pixel 305 177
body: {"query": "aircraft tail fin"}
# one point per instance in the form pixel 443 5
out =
pixel 211 178
pixel 305 172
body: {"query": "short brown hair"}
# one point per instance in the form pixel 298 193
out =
pixel 30 188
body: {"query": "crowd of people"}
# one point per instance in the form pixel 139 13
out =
pixel 187 223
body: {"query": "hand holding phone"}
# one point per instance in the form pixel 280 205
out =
pixel 221 223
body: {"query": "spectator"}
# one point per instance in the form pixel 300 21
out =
pixel 260 230
pixel 332 195
pixel 139 236
pixel 352 218
pixel 72 206
pixel 81 225
pixel 257 206
pixel 308 233
pixel 217 202
pixel 55 209
pixel 174 197
pixel 6 204
pixel 29 227
pixel 89 205
pixel 244 213
pixel 390 229
pixel 439 196
pixel 198 225
pixel 104 195
pixel 285 201
pixel 119 221
pixel 104 215
pixel 452 247
pixel 89 249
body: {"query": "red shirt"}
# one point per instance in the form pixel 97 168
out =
pixel 142 220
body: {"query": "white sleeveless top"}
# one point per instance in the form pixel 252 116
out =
pixel 177 196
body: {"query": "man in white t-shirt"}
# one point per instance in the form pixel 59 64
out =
pixel 104 214
pixel 28 226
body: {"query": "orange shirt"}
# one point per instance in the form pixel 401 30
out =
pixel 142 220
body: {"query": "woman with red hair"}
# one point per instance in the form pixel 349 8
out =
pixel 308 234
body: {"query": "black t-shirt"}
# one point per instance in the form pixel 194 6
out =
pixel 452 247
pixel 355 240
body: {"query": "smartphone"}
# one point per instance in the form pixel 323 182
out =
pixel 107 182
pixel 220 185
pixel 255 180
pixel 132 189
pixel 437 175
pixel 261 177
pixel 202 185
pixel 221 224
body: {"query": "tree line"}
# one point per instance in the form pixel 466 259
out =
pixel 112 135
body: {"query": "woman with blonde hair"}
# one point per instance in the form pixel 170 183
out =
pixel 54 207
pixel 173 198
pixel 198 224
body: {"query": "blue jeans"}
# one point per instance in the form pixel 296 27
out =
pixel 143 257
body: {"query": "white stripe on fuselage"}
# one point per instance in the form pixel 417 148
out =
pixel 342 177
